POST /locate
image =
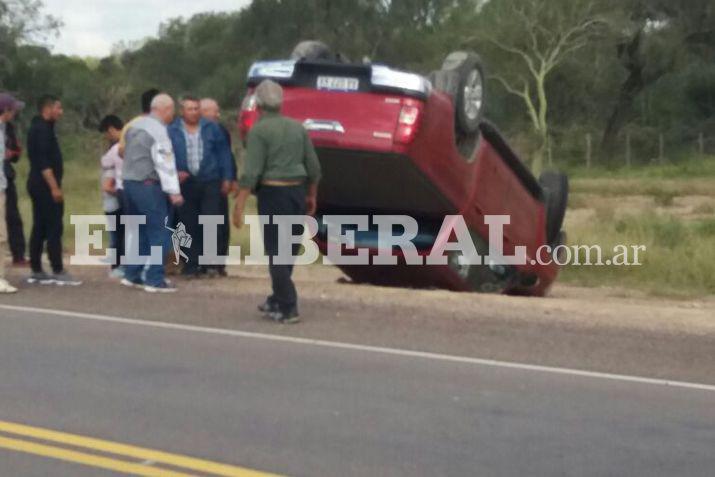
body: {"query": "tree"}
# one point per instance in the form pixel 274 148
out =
pixel 657 36
pixel 21 20
pixel 538 36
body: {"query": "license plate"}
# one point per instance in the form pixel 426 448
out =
pixel 338 83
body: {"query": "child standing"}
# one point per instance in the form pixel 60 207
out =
pixel 111 181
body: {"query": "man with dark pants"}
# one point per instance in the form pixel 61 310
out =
pixel 44 185
pixel 149 176
pixel 211 111
pixel 203 161
pixel 8 106
pixel 15 227
pixel 282 166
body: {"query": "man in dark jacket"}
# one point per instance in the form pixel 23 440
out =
pixel 211 111
pixel 15 231
pixel 204 164
pixel 44 185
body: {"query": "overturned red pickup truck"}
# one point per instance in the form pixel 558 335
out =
pixel 393 142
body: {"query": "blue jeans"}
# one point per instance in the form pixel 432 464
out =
pixel 149 200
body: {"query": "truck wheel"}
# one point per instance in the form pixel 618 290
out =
pixel 311 50
pixel 469 80
pixel 556 196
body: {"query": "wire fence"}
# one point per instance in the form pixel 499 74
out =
pixel 632 147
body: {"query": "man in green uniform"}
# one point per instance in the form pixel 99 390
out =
pixel 282 169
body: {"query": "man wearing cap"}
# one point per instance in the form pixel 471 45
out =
pixel 8 106
pixel 283 170
pixel 13 152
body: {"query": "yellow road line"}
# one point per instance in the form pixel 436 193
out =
pixel 126 450
pixel 85 459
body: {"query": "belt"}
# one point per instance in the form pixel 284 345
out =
pixel 277 183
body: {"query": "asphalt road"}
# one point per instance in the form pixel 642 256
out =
pixel 304 408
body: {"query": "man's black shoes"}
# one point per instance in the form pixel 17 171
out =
pixel 272 311
pixel 285 317
pixel 268 307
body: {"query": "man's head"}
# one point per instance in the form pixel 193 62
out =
pixel 147 97
pixel 269 96
pixel 190 110
pixel 210 109
pixel 162 107
pixel 9 106
pixel 50 107
pixel 111 126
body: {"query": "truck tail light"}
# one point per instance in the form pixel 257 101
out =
pixel 249 115
pixel 408 123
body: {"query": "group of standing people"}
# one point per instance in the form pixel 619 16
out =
pixel 187 159
pixel 170 170
pixel 44 185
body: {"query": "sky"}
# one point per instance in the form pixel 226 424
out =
pixel 91 28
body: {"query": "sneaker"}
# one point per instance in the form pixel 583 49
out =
pixel 138 283
pixel 65 279
pixel 268 306
pixel 21 263
pixel 40 278
pixel 6 288
pixel 116 273
pixel 285 317
pixel 165 287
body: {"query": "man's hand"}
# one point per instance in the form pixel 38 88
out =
pixel 183 176
pixel 57 195
pixel 237 216
pixel 311 200
pixel 176 199
pixel 225 188
pixel 234 189
pixel 311 204
pixel 109 186
pixel 11 155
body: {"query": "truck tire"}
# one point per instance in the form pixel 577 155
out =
pixel 556 196
pixel 463 73
pixel 311 50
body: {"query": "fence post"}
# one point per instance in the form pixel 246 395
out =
pixel 588 150
pixel 701 144
pixel 628 149
pixel 661 148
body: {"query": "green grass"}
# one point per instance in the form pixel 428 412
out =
pixel 691 167
pixel 679 261
pixel 664 189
